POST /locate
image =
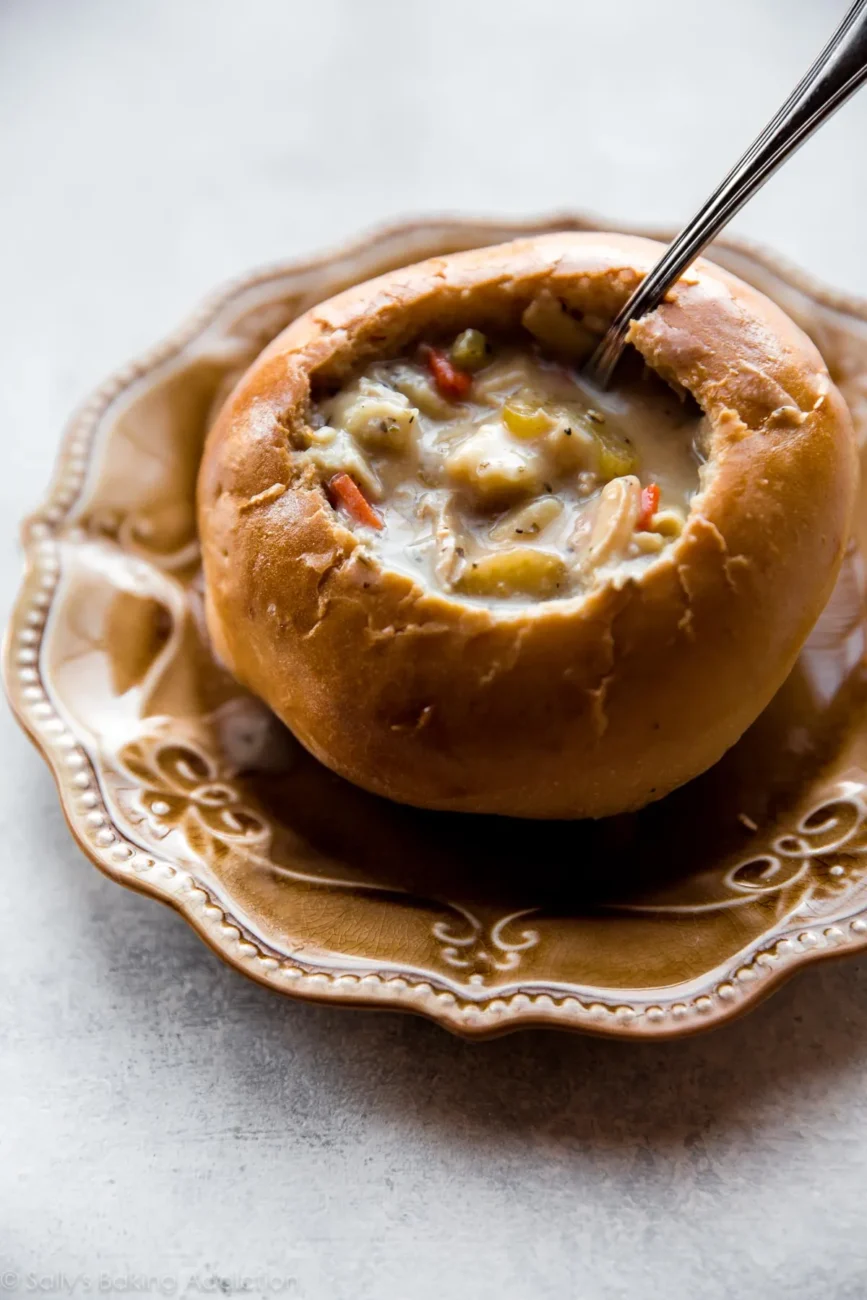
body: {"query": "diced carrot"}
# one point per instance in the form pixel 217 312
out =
pixel 649 506
pixel 353 500
pixel 452 383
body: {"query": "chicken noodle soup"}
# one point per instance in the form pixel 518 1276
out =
pixel 494 472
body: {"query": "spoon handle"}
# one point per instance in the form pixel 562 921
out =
pixel 837 73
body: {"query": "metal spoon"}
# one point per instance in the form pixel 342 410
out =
pixel 838 72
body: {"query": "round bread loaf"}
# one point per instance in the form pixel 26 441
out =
pixel 582 706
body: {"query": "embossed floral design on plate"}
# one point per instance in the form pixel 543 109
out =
pixel 177 783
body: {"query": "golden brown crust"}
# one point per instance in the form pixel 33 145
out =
pixel 580 707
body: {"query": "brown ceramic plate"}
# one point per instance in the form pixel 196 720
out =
pixel 177 783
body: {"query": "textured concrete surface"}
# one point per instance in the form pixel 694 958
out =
pixel 166 1127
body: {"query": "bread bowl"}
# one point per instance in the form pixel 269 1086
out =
pixel 583 684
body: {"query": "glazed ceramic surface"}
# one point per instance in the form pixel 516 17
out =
pixel 178 783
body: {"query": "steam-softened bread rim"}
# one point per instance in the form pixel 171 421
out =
pixel 580 707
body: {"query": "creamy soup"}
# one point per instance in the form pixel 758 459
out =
pixel 493 472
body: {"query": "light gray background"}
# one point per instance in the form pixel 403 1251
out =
pixel 160 1116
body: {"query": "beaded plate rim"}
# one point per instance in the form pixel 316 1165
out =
pixel 729 991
